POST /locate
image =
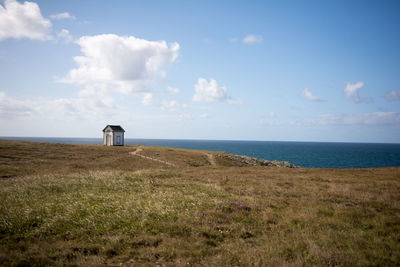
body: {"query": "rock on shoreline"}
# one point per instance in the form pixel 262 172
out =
pixel 246 160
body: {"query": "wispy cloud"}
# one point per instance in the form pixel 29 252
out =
pixel 64 15
pixel 252 39
pixel 306 94
pixel 173 90
pixel 393 95
pixel 87 108
pixel 170 105
pixel 269 119
pixel 185 116
pixel 12 108
pixel 232 101
pixel 147 99
pixel 179 111
pixel 374 118
pixel 65 36
pixel 351 91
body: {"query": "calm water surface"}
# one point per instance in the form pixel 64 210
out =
pixel 305 154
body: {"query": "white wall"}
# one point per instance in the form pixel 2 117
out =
pixel 110 133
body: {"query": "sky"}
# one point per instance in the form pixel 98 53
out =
pixel 325 71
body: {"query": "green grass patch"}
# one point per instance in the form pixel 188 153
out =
pixel 92 205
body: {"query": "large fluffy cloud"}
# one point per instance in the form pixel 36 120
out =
pixel 351 91
pixel 121 62
pixel 23 21
pixel 209 91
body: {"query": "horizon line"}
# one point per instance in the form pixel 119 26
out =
pixel 201 139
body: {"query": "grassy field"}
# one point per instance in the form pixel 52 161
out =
pixel 93 205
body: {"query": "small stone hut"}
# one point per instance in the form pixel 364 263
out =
pixel 113 135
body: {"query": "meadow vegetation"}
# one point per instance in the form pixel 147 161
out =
pixel 93 205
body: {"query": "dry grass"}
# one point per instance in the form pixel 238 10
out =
pixel 94 205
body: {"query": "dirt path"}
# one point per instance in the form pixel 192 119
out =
pixel 135 153
pixel 211 159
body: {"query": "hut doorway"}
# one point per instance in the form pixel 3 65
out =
pixel 108 142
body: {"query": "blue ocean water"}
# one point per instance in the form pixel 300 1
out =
pixel 305 154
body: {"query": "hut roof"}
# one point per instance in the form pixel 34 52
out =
pixel 115 128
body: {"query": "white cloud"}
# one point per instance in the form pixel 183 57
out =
pixel 204 116
pixel 306 93
pixel 232 101
pixel 12 108
pixel 64 15
pixel 79 108
pixel 393 95
pixel 65 36
pixel 121 63
pixel 185 116
pixel 374 118
pixel 169 105
pixel 93 91
pixel 351 91
pixel 23 21
pixel 209 91
pixel 270 118
pixel 147 99
pixel 252 39
pixel 172 90
pixel 59 109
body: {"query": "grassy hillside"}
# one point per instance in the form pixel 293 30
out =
pixel 135 205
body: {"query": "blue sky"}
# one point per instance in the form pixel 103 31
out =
pixel 242 70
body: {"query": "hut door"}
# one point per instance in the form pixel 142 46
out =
pixel 118 140
pixel 108 141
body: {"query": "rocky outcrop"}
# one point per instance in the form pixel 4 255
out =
pixel 246 160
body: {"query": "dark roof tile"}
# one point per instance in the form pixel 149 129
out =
pixel 115 128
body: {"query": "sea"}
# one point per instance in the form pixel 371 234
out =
pixel 304 154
